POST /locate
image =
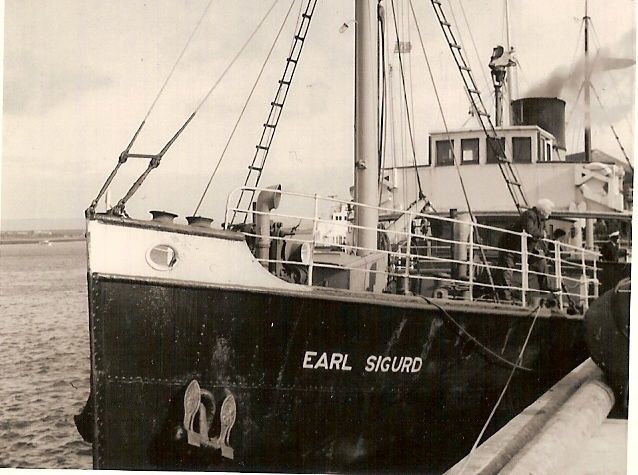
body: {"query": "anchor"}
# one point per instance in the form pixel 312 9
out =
pixel 199 413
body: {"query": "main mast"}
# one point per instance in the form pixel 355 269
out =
pixel 365 127
pixel 587 87
pixel 589 223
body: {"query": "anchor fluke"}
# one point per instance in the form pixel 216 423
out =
pixel 199 415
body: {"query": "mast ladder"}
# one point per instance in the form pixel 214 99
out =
pixel 256 167
pixel 476 102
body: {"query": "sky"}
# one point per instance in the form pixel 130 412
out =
pixel 80 75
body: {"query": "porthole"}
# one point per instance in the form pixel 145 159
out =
pixel 161 257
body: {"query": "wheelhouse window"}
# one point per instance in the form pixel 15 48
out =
pixel 469 151
pixel 444 155
pixel 495 147
pixel 548 152
pixel 522 149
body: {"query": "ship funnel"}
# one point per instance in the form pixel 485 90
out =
pixel 546 112
pixel 267 200
pixel 163 216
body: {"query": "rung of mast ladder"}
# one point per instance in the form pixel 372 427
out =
pixel 454 45
pixel 445 23
pixel 465 68
pixel 280 98
pixel 473 91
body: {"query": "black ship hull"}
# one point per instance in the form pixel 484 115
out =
pixel 407 391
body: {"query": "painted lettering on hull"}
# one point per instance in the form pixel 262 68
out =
pixel 373 364
pixel 329 361
pixel 394 364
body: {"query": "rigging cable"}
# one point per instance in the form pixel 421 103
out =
pixel 155 159
pixel 613 80
pixel 230 65
pixel 241 114
pixel 179 58
pixel 124 154
pixel 381 77
pixel 456 165
pixel 612 127
pixel 575 103
pixel 407 14
pixel 500 398
pixel 488 83
pixel 407 111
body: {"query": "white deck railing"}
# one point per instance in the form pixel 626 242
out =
pixel 434 262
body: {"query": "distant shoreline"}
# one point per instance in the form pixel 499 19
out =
pixel 41 237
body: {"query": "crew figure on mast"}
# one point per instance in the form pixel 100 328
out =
pixel 499 62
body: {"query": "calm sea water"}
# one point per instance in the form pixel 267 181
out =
pixel 44 355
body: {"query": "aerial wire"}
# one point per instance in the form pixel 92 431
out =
pixel 241 114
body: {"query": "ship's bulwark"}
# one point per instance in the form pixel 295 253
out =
pixel 151 339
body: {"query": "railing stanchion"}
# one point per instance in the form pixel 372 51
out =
pixel 524 269
pixel 406 289
pixel 595 268
pixel 558 270
pixel 471 259
pixel 311 257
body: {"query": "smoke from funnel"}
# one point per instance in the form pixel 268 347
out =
pixel 564 79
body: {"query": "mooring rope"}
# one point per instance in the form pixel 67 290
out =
pixel 500 398
pixel 474 340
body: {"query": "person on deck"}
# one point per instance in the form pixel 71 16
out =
pixel 611 251
pixel 532 221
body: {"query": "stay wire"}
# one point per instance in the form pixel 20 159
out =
pixel 172 71
pixel 241 50
pixel 405 99
pixel 447 131
pixel 467 24
pixel 381 77
pixel 179 58
pixel 500 398
pixel 245 106
pixel 600 103
pixel 614 83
